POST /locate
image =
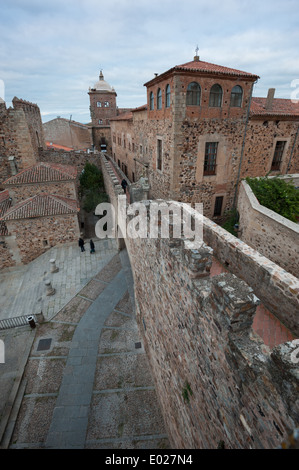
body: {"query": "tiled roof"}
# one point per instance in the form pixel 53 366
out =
pixel 280 107
pixel 57 146
pixel 123 117
pixel 42 173
pixel 140 108
pixel 41 205
pixel 5 204
pixel 206 68
pixel 200 66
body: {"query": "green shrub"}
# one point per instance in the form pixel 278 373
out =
pixel 276 194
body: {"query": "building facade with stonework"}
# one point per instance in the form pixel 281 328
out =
pixel 38 223
pixel 38 200
pixel 41 210
pixel 66 133
pixel 201 132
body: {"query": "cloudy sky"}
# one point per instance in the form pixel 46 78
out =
pixel 51 51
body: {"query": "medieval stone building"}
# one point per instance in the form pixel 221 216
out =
pixel 102 108
pixel 39 200
pixel 201 132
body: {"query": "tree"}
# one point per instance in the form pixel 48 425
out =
pixel 91 177
pixel 92 190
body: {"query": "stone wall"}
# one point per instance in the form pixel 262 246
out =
pixel 261 137
pixel 277 289
pixel 68 133
pixel 30 238
pixel 73 158
pixel 21 136
pixel 34 122
pixel 272 235
pixel 216 381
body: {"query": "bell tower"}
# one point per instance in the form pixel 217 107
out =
pixel 102 108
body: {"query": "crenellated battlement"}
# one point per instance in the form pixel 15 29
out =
pixel 20 103
pixel 215 378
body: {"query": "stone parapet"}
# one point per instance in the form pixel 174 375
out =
pixel 217 383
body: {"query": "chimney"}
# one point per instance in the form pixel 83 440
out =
pixel 269 100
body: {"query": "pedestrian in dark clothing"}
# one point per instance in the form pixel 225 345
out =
pixel 81 244
pixel 92 250
pixel 124 185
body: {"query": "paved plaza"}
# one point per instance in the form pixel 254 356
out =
pixel 23 289
pixel 81 379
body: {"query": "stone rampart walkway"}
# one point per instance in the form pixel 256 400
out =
pixel 87 380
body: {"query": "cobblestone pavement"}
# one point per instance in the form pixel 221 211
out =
pixel 90 387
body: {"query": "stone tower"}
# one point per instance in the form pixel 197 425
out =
pixel 102 108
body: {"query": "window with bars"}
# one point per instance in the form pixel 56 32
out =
pixel 278 154
pixel 159 154
pixel 159 99
pixel 236 97
pixel 215 96
pixel 193 94
pixel 210 158
pixel 167 94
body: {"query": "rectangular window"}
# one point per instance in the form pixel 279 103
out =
pixel 210 158
pixel 159 154
pixel 278 153
pixel 218 206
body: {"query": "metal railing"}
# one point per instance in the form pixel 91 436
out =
pixel 20 321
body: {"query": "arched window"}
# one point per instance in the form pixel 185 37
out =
pixel 236 97
pixel 159 99
pixel 167 94
pixel 215 96
pixel 193 94
pixel 151 100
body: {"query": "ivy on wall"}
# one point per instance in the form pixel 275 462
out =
pixel 276 194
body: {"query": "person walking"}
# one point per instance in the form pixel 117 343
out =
pixel 92 250
pixel 81 244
